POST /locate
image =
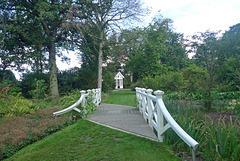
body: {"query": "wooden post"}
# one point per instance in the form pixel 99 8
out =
pixel 149 106
pixel 160 120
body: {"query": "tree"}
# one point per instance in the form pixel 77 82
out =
pixel 230 43
pixel 194 79
pixel 69 80
pixel 229 51
pixel 106 16
pixel 228 74
pixel 175 54
pixel 124 44
pixel 206 47
pixel 11 38
pixel 157 51
pixel 89 57
pixel 48 17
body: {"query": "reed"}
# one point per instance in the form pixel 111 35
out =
pixel 217 141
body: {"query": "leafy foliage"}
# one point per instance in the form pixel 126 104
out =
pixel 11 101
pixel 158 50
pixel 7 75
pixel 69 80
pixel 40 89
pixel 74 96
pixel 228 75
pixel 69 99
pixel 108 82
pixel 29 80
pixel 198 96
pixel 172 81
pixel 14 105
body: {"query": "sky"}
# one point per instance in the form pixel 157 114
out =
pixel 191 16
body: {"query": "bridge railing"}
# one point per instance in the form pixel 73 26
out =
pixel 95 94
pixel 154 111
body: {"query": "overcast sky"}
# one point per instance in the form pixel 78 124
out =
pixel 189 16
pixel 192 16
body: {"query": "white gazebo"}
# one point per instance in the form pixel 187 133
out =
pixel 119 80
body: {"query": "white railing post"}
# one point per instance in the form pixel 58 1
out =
pixel 149 106
pixel 144 104
pixel 84 99
pixel 139 99
pixel 137 96
pixel 160 118
pixel 89 91
pixel 93 96
pixel 96 96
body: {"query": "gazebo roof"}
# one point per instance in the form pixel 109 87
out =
pixel 119 76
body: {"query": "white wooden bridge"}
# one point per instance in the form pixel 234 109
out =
pixel 148 116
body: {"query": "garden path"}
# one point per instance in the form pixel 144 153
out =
pixel 124 118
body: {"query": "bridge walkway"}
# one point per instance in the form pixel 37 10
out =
pixel 123 118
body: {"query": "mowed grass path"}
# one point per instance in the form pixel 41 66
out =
pixel 122 97
pixel 88 141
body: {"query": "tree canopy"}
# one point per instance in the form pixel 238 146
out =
pixel 34 32
pixel 38 25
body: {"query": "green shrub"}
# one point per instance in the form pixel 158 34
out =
pixel 172 81
pixel 137 84
pixel 69 99
pixel 89 106
pixel 28 82
pixel 40 89
pixel 226 95
pixel 195 79
pixel 73 97
pixel 23 106
pixel 184 95
pixel 7 75
pixel 13 104
pixel 13 88
pixel 108 82
pixel 198 96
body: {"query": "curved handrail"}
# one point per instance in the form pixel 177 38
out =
pixel 96 100
pixel 180 132
pixel 155 115
pixel 72 107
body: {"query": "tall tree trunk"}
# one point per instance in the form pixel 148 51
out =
pixel 53 69
pixel 37 63
pixel 100 60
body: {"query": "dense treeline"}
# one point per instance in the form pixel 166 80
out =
pixel 152 57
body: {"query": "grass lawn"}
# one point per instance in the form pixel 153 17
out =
pixel 88 141
pixel 122 97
